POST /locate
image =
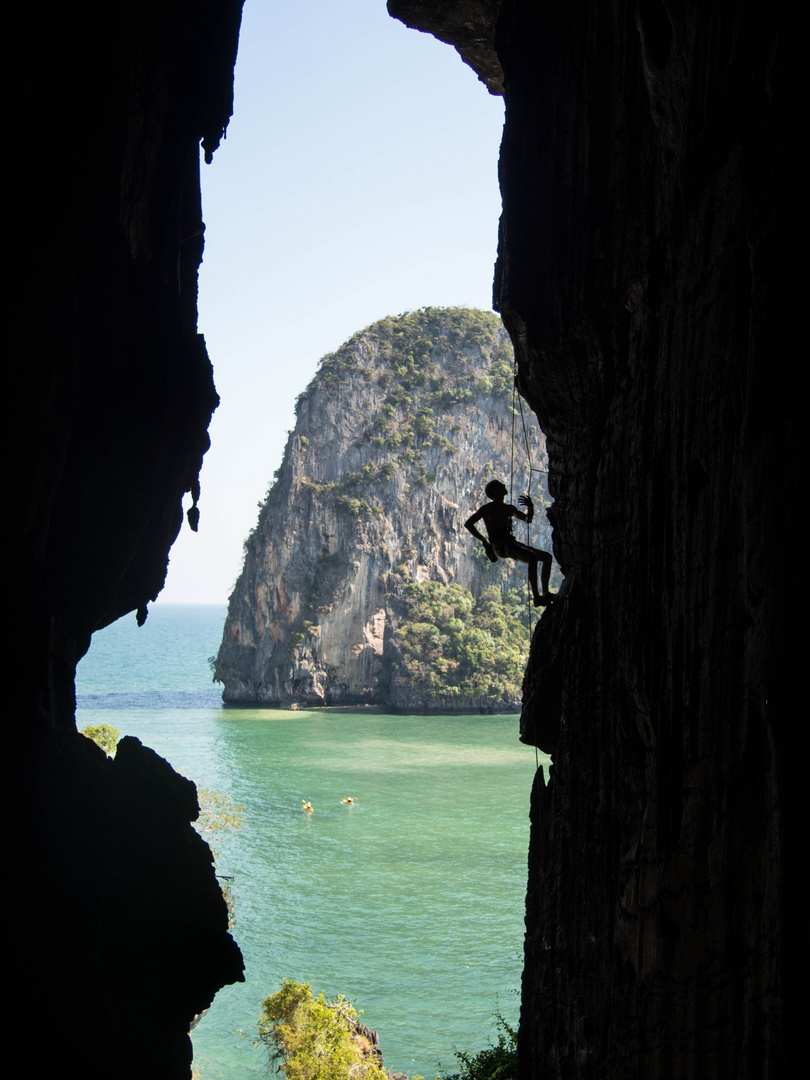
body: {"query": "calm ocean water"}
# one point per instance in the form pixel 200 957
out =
pixel 410 901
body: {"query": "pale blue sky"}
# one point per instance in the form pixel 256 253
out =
pixel 358 180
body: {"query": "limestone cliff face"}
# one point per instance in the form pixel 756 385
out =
pixel 394 441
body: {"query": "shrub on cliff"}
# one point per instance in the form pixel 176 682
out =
pixel 452 644
pixel 103 735
pixel 497 1062
pixel 219 815
pixel 311 1038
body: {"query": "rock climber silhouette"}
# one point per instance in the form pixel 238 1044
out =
pixel 499 541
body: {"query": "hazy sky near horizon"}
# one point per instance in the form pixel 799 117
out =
pixel 358 180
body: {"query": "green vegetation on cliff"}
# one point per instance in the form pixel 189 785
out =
pixel 311 1038
pixel 103 735
pixel 495 1062
pixel 451 644
pixel 399 359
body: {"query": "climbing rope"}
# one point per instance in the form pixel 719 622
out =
pixel 526 441
pixel 517 399
pixel 552 993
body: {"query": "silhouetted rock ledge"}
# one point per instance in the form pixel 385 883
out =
pixel 394 441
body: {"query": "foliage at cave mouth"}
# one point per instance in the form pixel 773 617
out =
pixel 362 528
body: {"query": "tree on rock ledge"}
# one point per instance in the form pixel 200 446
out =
pixel 315 1039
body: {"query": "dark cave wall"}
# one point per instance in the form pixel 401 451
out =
pixel 120 928
pixel 641 284
pixel 638 276
pixel 115 391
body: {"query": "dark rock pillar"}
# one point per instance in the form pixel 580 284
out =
pixel 120 931
pixel 639 277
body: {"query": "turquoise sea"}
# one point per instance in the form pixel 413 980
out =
pixel 410 901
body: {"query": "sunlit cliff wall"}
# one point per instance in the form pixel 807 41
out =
pixel 395 439
pixel 639 276
pixel 119 928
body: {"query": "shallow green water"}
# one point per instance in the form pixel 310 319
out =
pixel 410 901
